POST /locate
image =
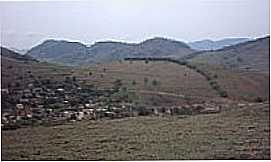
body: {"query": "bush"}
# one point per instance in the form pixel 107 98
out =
pixel 74 78
pixel 191 66
pixel 134 82
pixel 118 82
pixel 154 82
pixel 124 89
pixel 258 99
pixel 223 93
pixel 17 84
pixel 182 63
pixel 212 83
pixel 146 80
pixel 208 78
pixel 239 59
pixel 143 111
pixel 67 79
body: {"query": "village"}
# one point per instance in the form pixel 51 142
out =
pixel 49 103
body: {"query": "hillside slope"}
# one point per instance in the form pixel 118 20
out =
pixel 238 133
pixel 9 54
pixel 249 56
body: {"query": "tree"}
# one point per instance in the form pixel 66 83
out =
pixel 154 82
pixel 17 84
pixel 67 79
pixel 74 78
pixel 134 82
pixel 239 59
pixel 117 83
pixel 146 81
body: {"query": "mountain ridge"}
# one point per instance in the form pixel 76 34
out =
pixel 208 44
pixel 61 51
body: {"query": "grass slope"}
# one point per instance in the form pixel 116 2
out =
pixel 236 133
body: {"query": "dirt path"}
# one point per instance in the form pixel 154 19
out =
pixel 158 93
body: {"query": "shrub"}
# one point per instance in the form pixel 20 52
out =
pixel 191 66
pixel 74 78
pixel 67 79
pixel 146 80
pixel 17 84
pixel 154 82
pixel 143 111
pixel 134 82
pixel 124 89
pixel 118 82
pixel 182 63
pixel 212 83
pixel 239 59
pixel 208 78
pixel 258 99
pixel 223 93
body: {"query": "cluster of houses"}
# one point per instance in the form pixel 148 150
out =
pixel 59 102
pixel 54 102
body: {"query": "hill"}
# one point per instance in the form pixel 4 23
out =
pixel 9 54
pixel 19 70
pixel 74 53
pixel 214 45
pixel 249 56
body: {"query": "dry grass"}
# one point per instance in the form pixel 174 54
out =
pixel 238 133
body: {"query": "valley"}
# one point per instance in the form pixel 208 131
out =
pixel 137 107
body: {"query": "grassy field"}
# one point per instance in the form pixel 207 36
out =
pixel 174 84
pixel 149 83
pixel 235 133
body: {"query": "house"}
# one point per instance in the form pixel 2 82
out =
pixel 23 111
pixel 4 91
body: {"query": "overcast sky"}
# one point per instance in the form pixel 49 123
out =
pixel 25 24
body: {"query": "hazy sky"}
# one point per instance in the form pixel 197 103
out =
pixel 25 24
